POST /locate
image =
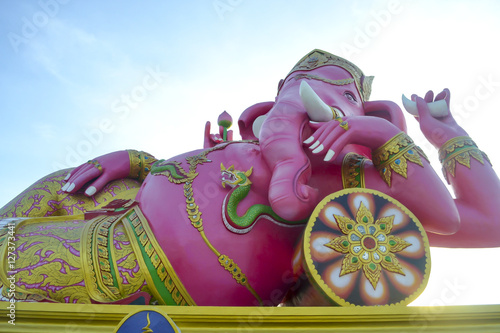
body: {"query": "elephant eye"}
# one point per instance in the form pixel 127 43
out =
pixel 350 97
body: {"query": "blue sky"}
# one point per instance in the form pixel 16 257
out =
pixel 68 66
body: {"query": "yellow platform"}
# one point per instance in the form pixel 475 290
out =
pixel 40 317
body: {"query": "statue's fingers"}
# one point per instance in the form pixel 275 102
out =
pixel 441 95
pixel 335 139
pixel 75 171
pixel 216 138
pixel 423 110
pixel 429 96
pixel 329 143
pixel 330 131
pixel 338 139
pixel 313 140
pixel 206 138
pixel 445 94
pixel 96 186
pixel 82 179
pixel 207 129
pixel 314 127
pixel 74 175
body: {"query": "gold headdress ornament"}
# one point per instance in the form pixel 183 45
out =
pixel 318 58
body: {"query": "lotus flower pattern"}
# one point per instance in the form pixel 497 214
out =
pixel 368 245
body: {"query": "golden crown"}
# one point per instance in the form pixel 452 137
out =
pixel 318 58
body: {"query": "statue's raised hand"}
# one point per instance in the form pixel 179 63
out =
pixel 434 116
pixel 102 170
pixel 211 140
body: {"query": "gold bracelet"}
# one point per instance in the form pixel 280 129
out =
pixel 459 149
pixel 353 174
pixel 140 164
pixel 394 155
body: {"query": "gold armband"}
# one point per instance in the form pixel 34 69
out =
pixel 140 164
pixel 394 155
pixel 459 149
pixel 353 174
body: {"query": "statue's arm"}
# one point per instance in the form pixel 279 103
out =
pixel 103 169
pixel 467 169
pixel 400 169
pixel 477 191
pixel 470 220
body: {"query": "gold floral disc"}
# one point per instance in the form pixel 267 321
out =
pixel 362 247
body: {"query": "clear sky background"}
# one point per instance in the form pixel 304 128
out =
pixel 76 82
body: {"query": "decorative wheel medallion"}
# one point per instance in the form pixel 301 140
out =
pixel 362 247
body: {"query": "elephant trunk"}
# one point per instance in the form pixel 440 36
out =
pixel 281 142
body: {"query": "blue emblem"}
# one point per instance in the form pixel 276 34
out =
pixel 147 321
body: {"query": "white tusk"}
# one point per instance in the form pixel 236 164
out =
pixel 410 106
pixel 437 109
pixel 315 107
pixel 257 125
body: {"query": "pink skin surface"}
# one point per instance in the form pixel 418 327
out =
pixel 288 171
pixel 263 254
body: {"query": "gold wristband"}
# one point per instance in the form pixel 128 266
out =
pixel 140 164
pixel 394 155
pixel 459 149
pixel 353 174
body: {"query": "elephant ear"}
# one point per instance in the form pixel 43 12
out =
pixel 387 110
pixel 251 120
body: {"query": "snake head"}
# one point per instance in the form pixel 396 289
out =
pixel 233 178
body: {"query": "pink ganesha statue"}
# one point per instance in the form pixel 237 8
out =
pixel 325 201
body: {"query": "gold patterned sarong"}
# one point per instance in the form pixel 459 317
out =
pixel 110 258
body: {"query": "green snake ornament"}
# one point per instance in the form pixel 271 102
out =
pixel 240 184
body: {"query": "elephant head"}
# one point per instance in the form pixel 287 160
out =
pixel 321 87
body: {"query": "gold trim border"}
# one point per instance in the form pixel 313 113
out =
pixel 37 317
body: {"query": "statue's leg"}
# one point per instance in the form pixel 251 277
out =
pixel 68 259
pixel 45 198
